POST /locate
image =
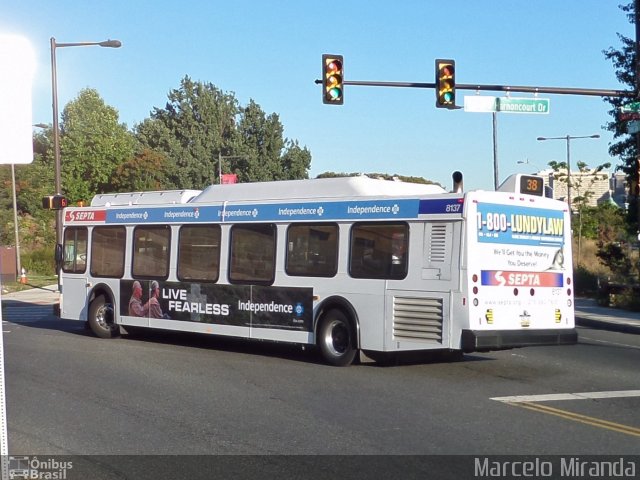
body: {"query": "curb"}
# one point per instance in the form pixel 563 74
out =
pixel 623 327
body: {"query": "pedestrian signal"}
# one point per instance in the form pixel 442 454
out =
pixel 445 83
pixel 54 202
pixel 332 79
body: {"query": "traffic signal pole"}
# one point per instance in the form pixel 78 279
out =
pixel 442 102
pixel 597 92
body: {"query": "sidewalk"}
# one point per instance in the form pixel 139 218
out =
pixel 41 295
pixel 588 312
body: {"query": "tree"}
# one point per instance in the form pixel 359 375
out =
pixel 93 146
pixel 624 61
pixel 147 170
pixel 583 186
pixel 296 161
pixel 196 126
pixel 201 126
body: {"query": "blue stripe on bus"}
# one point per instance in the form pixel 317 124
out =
pixel 351 210
pixel 441 206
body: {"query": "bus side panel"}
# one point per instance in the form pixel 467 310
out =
pixel 417 320
pixel 418 314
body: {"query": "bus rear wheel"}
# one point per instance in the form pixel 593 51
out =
pixel 336 338
pixel 101 318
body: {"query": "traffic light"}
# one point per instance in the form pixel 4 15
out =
pixel 332 79
pixel 54 202
pixel 445 83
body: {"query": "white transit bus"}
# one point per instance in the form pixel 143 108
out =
pixel 348 264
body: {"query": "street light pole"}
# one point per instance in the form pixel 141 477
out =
pixel 568 139
pixel 56 132
pixel 15 219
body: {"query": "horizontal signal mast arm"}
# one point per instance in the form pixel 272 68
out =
pixel 500 88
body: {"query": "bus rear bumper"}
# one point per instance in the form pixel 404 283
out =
pixel 480 340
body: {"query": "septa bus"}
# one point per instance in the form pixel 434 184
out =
pixel 350 265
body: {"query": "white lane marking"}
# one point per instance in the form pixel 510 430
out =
pixel 608 343
pixel 568 396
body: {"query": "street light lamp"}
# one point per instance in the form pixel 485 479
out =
pixel 527 162
pixel 568 139
pixel 56 133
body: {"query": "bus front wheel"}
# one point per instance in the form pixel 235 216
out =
pixel 101 318
pixel 336 338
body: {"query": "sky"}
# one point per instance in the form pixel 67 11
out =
pixel 270 51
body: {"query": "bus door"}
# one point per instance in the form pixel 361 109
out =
pixel 74 280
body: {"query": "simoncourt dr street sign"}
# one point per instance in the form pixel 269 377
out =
pixel 522 105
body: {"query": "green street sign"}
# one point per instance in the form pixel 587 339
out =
pixel 523 105
pixel 631 108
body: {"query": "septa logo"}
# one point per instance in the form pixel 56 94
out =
pixel 85 216
pixel 521 279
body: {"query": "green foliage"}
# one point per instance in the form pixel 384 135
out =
pixel 147 170
pixel 624 62
pixel 627 299
pixel 93 146
pixel 195 127
pixel 615 257
pixel 201 127
pixel 39 261
pixel 178 147
pixel 605 222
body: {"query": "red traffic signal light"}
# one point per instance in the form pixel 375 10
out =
pixel 332 79
pixel 445 83
pixel 54 202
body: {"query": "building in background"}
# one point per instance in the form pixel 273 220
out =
pixel 599 187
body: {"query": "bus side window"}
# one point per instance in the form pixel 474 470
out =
pixel 253 253
pixel 107 251
pixel 151 251
pixel 199 253
pixel 379 250
pixel 75 250
pixel 312 250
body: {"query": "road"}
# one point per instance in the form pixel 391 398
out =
pixel 69 393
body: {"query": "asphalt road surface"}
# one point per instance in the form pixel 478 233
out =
pixel 157 394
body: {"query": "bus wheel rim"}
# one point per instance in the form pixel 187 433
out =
pixel 337 338
pixel 102 317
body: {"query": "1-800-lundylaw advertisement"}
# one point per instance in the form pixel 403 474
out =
pixel 526 245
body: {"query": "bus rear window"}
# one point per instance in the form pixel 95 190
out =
pixel 379 250
pixel 107 251
pixel 75 250
pixel 312 250
pixel 151 251
pixel 199 253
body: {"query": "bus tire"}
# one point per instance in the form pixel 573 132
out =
pixel 101 318
pixel 336 338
